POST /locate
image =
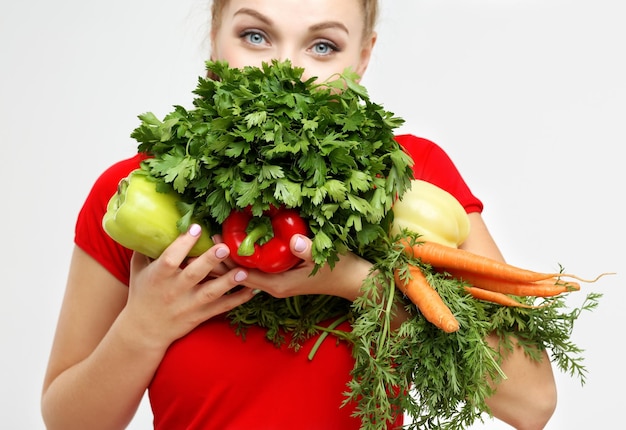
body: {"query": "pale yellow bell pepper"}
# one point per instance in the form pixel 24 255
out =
pixel 433 213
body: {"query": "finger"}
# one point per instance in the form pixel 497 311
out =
pixel 174 255
pixel 138 262
pixel 230 301
pixel 221 269
pixel 227 264
pixel 217 288
pixel 301 246
pixel 198 269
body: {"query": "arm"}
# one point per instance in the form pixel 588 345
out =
pixel 111 338
pixel 527 398
pixel 97 372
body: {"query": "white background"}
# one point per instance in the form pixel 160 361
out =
pixel 528 97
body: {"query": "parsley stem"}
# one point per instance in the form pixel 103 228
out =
pixel 325 334
pixel 386 322
pixel 490 354
pixel 293 306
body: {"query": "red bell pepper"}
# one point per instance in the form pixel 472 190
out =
pixel 263 242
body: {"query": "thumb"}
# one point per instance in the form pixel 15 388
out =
pixel 301 247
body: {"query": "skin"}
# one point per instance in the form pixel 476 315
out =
pixel 252 32
pixel 111 337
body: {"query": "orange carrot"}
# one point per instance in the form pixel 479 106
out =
pixel 544 288
pixel 495 297
pixel 427 300
pixel 448 258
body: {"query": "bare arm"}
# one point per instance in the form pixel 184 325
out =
pixel 527 398
pixel 110 338
pixel 97 371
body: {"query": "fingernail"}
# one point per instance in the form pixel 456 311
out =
pixel 195 230
pixel 256 291
pixel 222 252
pixel 300 244
pixel 240 276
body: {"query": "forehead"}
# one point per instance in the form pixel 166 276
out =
pixel 304 13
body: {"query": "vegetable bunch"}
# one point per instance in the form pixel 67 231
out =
pixel 263 138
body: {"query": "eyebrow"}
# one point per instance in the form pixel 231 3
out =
pixel 316 27
pixel 255 14
pixel 330 24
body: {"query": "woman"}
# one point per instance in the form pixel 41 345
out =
pixel 129 324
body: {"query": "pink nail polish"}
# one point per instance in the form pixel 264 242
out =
pixel 195 230
pixel 300 245
pixel 221 252
pixel 240 276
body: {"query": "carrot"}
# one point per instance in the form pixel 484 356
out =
pixel 544 288
pixel 496 297
pixel 448 258
pixel 427 300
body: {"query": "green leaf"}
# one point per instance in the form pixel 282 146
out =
pixel 256 118
pixel 269 172
pixel 288 192
pixel 336 190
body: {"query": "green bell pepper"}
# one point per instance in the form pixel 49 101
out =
pixel 145 220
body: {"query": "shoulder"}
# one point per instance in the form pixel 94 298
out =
pixel 432 164
pixel 89 234
pixel 425 153
pixel 417 147
pixel 109 178
pixel 429 158
pixel 415 144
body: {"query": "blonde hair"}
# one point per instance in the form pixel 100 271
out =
pixel 370 14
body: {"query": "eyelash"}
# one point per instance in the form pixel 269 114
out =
pixel 331 46
pixel 250 33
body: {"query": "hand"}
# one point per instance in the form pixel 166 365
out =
pixel 167 300
pixel 344 280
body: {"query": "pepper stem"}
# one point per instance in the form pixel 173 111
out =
pixel 260 231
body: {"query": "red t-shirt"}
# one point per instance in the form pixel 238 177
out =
pixel 214 379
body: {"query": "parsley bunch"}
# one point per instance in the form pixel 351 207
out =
pixel 264 137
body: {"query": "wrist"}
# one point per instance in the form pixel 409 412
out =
pixel 354 271
pixel 140 335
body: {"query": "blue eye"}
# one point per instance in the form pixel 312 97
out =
pixel 324 48
pixel 254 38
